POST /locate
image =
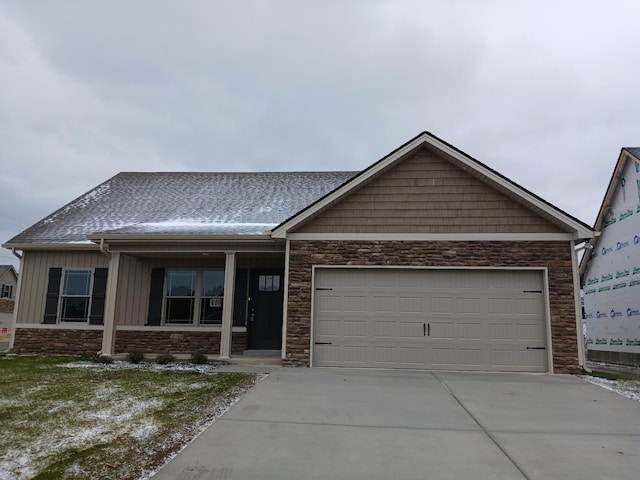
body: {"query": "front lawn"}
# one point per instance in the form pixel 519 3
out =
pixel 62 418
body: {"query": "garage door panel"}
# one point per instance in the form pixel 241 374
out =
pixel 528 305
pixel 413 304
pixel 382 303
pixel 477 319
pixel 467 304
pixel 469 331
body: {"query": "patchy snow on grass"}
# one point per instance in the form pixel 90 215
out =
pixel 110 413
pixel 627 388
pixel 187 437
pixel 210 367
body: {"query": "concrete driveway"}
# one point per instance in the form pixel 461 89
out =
pixel 381 424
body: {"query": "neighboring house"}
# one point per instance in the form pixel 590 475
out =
pixel 610 271
pixel 427 259
pixel 8 283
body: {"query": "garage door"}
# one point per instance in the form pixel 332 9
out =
pixel 491 320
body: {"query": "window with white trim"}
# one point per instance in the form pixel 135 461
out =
pixel 75 296
pixel 7 291
pixel 194 297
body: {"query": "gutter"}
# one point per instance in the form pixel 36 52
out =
pixel 18 256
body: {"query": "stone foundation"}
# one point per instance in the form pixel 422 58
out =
pixel 555 256
pixel 57 341
pixel 163 342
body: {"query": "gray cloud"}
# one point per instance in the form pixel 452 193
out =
pixel 544 92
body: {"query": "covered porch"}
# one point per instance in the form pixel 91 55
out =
pixel 178 297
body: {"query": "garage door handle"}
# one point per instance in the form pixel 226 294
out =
pixel 323 343
pixel 426 329
pixel 531 291
pixel 536 348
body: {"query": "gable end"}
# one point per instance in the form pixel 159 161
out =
pixel 427 193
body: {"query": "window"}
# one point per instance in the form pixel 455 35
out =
pixel 212 296
pixel 180 296
pixel 269 283
pixel 7 290
pixel 76 296
pixel 194 296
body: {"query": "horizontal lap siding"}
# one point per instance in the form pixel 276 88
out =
pixel 555 256
pixel 426 194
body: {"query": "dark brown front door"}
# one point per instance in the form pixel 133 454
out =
pixel 264 326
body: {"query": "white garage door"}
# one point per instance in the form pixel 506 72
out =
pixel 492 320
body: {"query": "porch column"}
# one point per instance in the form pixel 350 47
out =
pixel 227 304
pixel 109 333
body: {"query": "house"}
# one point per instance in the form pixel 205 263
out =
pixel 610 271
pixel 8 282
pixel 427 259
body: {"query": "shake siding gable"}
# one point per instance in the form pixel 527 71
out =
pixel 424 193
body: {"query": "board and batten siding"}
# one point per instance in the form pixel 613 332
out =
pixel 134 281
pixel 448 199
pixel 35 277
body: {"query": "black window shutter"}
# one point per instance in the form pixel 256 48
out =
pixel 96 316
pixel 156 290
pixel 53 293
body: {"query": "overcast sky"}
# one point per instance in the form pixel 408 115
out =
pixel 545 92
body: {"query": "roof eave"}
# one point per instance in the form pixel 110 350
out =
pixel 174 238
pixel 50 246
pixel 611 188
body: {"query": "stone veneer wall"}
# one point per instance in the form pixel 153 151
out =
pixel 556 256
pixel 57 341
pixel 150 341
pixel 6 305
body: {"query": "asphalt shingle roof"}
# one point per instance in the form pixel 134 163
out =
pixel 635 151
pixel 4 269
pixel 184 204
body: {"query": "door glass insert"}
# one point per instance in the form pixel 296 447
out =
pixel 269 283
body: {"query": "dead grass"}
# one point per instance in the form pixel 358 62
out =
pixel 102 421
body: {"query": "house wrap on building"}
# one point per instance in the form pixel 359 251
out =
pixel 427 259
pixel 610 270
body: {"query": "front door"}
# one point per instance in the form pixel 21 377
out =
pixel 264 326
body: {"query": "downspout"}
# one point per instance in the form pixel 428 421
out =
pixel 104 248
pixel 578 304
pixel 16 301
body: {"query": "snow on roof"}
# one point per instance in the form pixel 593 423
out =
pixel 184 204
pixel 4 269
pixel 635 151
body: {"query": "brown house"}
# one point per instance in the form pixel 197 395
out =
pixel 427 259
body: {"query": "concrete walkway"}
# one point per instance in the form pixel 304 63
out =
pixel 377 424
